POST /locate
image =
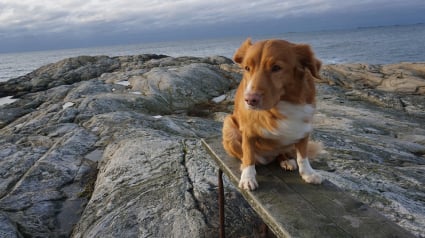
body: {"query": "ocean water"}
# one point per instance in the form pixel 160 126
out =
pixel 376 45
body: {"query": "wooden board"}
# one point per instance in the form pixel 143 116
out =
pixel 292 208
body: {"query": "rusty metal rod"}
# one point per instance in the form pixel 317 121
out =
pixel 221 203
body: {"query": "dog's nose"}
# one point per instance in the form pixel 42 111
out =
pixel 253 99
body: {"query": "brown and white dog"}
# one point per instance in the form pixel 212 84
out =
pixel 274 107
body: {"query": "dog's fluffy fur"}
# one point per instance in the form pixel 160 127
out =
pixel 274 106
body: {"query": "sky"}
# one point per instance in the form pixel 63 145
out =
pixel 27 25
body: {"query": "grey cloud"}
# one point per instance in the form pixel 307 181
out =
pixel 111 21
pixel 45 15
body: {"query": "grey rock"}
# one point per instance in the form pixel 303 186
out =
pixel 74 115
pixel 399 86
pixel 145 190
pixel 402 77
pixel 67 71
pixel 375 154
pixel 180 88
pixel 7 227
pixel 42 182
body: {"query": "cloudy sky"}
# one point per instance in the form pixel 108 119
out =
pixel 52 24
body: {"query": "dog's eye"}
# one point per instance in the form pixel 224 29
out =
pixel 276 68
pixel 247 68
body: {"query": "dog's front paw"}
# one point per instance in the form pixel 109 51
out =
pixel 290 164
pixel 248 180
pixel 307 173
pixel 313 178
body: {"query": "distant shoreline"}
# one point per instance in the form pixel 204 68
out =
pixel 372 45
pixel 395 25
pixel 219 38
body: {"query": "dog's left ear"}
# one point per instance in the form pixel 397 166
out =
pixel 240 53
pixel 307 60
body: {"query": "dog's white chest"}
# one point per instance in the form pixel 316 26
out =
pixel 296 124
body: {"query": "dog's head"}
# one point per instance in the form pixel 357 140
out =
pixel 275 70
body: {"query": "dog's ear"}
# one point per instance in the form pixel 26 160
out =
pixel 240 53
pixel 307 60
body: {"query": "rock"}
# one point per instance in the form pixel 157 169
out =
pixel 7 227
pixel 67 71
pixel 399 86
pixel 374 153
pixel 140 186
pixel 403 77
pixel 109 146
pixel 54 136
pixel 41 177
pixel 180 88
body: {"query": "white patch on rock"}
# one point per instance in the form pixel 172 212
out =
pixel 124 83
pixel 67 104
pixel 219 98
pixel 7 100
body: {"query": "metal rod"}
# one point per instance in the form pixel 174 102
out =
pixel 221 202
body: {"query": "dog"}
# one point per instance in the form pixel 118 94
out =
pixel 273 111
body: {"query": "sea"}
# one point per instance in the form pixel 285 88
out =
pixel 372 45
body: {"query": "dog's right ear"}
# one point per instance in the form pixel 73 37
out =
pixel 240 53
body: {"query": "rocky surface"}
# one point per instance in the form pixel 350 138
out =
pixel 399 86
pixel 109 146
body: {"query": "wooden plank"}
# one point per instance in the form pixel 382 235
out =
pixel 293 208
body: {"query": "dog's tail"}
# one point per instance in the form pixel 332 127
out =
pixel 314 148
